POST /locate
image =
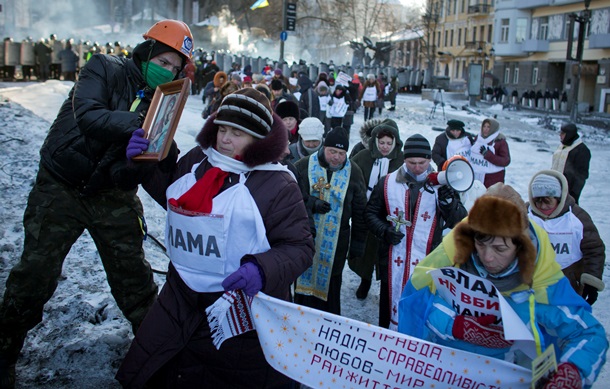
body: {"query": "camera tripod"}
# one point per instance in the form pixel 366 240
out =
pixel 438 99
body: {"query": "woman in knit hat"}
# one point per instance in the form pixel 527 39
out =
pixel 497 249
pixel 579 249
pixel 311 135
pixel 454 141
pixel 288 111
pixel 489 155
pixel 383 156
pixel 236 220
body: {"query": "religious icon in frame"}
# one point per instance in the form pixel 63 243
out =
pixel 162 118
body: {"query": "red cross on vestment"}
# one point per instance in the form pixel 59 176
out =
pixel 426 216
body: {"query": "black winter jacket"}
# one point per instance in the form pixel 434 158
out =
pixel 376 214
pixel 85 146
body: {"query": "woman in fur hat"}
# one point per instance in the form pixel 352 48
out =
pixel 489 155
pixel 497 243
pixel 578 247
pixel 232 175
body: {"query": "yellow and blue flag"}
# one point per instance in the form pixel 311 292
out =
pixel 259 4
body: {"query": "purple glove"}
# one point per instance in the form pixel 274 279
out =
pixel 247 278
pixel 137 144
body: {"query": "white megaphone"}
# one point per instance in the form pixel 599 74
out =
pixel 457 173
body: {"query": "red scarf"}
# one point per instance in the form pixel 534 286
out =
pixel 199 197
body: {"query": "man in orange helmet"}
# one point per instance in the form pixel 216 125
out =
pixel 85 182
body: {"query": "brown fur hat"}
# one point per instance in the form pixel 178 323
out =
pixel 499 212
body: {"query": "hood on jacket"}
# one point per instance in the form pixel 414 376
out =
pixel 571 133
pixel 366 129
pixel 387 126
pixel 322 89
pixel 339 92
pixel 562 201
pixel 218 79
pixel 304 83
pixel 494 126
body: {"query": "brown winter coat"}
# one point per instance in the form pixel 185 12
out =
pixel 592 246
pixel 368 83
pixel 173 347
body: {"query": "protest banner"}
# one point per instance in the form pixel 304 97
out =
pixel 323 350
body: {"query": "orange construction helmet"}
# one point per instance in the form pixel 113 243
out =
pixel 174 33
pixel 447 162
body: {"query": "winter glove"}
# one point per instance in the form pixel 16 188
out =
pixel 589 293
pixel 483 150
pixel 137 144
pixel 320 206
pixel 566 376
pixel 447 198
pixel 247 278
pixel 393 237
pixel 480 331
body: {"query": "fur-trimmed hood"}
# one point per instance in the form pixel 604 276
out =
pixel 366 129
pixel 269 149
pixel 499 212
pixel 218 79
pixel 389 127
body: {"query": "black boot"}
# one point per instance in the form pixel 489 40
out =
pixel 363 289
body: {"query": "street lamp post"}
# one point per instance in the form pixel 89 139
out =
pixel 583 20
pixel 485 59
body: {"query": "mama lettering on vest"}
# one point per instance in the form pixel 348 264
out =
pixel 190 243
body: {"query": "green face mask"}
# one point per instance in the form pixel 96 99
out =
pixel 155 75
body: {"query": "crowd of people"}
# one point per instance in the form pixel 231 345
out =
pixel 272 202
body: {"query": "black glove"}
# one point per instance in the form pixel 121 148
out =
pixel 393 237
pixel 589 293
pixel 483 150
pixel 320 206
pixel 447 198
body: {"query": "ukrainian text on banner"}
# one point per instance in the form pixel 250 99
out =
pixel 471 295
pixel 323 350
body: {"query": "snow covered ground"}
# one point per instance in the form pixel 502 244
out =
pixel 83 337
